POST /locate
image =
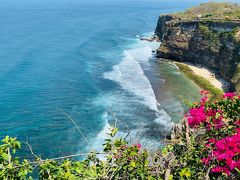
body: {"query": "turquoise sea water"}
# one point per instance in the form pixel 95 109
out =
pixel 85 59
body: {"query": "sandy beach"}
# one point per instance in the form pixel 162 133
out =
pixel 208 74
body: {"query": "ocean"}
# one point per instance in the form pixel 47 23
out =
pixel 84 59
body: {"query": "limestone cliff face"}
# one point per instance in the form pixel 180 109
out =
pixel 214 44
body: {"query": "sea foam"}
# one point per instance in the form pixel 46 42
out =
pixel 130 76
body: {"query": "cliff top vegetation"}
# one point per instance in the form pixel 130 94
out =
pixel 212 10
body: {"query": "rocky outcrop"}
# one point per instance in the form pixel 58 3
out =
pixel 213 43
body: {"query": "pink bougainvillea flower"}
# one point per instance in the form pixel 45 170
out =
pixel 221 144
pixel 231 163
pixel 229 95
pixel 196 116
pixel 220 169
pixel 207 145
pixel 116 157
pixel 206 161
pixel 212 140
pixel 211 112
pixel 208 126
pixel 123 146
pixel 204 100
pixel 217 123
pixel 237 123
pixel 139 146
pixel 204 92
pixel 238 130
pixel 223 147
pixel 226 150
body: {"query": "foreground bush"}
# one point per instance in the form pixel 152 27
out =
pixel 221 122
pixel 210 146
pixel 206 147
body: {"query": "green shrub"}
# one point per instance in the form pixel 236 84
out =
pixel 211 37
pixel 199 152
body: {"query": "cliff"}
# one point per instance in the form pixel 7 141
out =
pixel 214 43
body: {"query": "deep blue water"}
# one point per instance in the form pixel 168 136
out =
pixel 83 58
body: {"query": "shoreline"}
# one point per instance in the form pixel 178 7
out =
pixel 207 74
pixel 204 77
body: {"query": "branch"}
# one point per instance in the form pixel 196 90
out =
pixel 75 125
pixel 116 120
pixel 207 174
pixel 129 131
pixel 167 174
pixel 9 155
pixel 56 158
pixel 30 148
pixel 187 132
pixel 114 117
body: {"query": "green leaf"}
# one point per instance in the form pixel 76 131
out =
pixel 5 156
pixel 164 151
pixel 185 172
pixel 113 132
pixel 118 143
pixel 6 139
pixel 133 163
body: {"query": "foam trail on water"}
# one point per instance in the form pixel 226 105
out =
pixel 175 66
pixel 163 118
pixel 106 128
pixel 102 135
pixel 130 76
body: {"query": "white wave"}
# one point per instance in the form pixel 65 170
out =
pixel 175 66
pixel 137 136
pixel 163 118
pixel 177 73
pixel 141 54
pixel 101 136
pixel 130 76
